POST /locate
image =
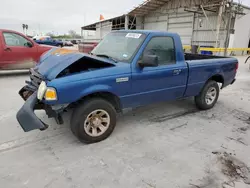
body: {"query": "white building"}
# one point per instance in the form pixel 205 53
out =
pixel 241 37
pixel 216 23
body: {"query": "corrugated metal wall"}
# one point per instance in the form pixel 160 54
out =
pixel 186 24
pixel 204 33
pixel 152 22
pixel 182 23
pixel 171 19
pixel 193 28
pixel 139 22
pixel 103 28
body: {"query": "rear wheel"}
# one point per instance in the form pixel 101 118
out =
pixel 208 96
pixel 93 121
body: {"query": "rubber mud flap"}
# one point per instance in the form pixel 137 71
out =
pixel 233 81
pixel 26 116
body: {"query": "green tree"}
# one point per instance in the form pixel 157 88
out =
pixel 72 33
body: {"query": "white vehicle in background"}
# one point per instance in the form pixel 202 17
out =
pixel 68 43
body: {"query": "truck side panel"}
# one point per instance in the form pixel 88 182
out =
pixel 200 71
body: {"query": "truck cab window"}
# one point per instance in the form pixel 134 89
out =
pixel 163 48
pixel 12 39
pixel 120 45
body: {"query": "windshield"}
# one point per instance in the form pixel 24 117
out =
pixel 119 45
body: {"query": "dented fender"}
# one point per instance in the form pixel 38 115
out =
pixel 97 89
pixel 53 62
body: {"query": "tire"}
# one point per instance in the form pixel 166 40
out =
pixel 88 116
pixel 208 96
pixel 60 45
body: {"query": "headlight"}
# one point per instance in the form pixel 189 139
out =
pixel 50 94
pixel 41 90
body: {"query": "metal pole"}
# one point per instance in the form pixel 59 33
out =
pixel 219 23
pixel 101 30
pixel 126 22
pixel 228 29
pixel 193 27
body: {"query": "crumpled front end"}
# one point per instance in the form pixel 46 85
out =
pixel 32 85
pixel 26 116
pixel 55 64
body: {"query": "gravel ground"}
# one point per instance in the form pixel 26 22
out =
pixel 164 145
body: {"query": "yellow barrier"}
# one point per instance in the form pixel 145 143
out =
pixel 223 49
pixel 187 47
pixel 218 49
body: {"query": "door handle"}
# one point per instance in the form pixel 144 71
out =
pixel 7 49
pixel 177 71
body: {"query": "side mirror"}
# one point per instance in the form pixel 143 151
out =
pixel 29 44
pixel 148 61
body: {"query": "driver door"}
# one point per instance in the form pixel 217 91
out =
pixel 17 54
pixel 167 81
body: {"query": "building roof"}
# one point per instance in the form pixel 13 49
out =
pixel 148 6
pixel 93 25
pixel 152 5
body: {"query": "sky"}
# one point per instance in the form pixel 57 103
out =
pixel 60 16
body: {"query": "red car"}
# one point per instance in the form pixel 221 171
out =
pixel 86 47
pixel 18 51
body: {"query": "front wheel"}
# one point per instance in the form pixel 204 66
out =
pixel 93 121
pixel 208 96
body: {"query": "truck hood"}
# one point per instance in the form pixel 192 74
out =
pixel 56 60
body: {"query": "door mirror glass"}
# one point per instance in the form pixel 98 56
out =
pixel 149 61
pixel 29 44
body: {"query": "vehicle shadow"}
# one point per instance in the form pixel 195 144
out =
pixel 156 113
pixel 130 118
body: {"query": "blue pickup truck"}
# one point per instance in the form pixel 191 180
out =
pixel 49 41
pixel 127 69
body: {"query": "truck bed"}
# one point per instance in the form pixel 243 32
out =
pixel 200 70
pixel 190 57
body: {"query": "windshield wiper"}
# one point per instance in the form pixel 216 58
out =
pixel 106 56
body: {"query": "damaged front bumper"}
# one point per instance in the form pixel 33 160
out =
pixel 26 116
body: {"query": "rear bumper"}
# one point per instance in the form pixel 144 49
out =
pixel 26 116
pixel 228 83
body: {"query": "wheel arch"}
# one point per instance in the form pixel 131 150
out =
pixel 106 95
pixel 218 78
